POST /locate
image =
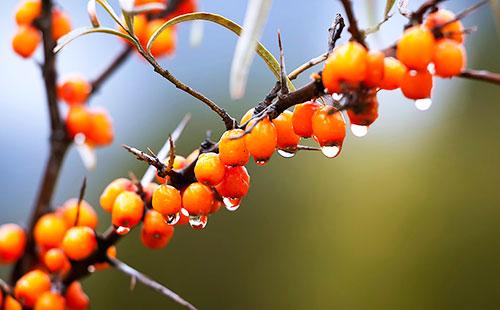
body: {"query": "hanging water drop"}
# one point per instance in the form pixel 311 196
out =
pixel 286 153
pixel 173 218
pixel 198 221
pixel 261 162
pixel 232 204
pixel 122 230
pixel 423 104
pixel 91 268
pixel 358 130
pixel 330 151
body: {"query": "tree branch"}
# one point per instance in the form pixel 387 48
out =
pixel 481 75
pixel 356 34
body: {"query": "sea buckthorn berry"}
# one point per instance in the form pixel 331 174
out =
pixel 394 72
pixel 287 138
pixel 365 112
pixel 235 184
pixel 328 127
pixel 49 231
pixel 302 118
pixel 216 205
pixel 86 215
pixel 12 304
pixel 347 63
pixel 74 90
pixel 111 253
pixel 165 41
pixel 79 242
pixel 416 47
pixel 12 243
pixel 28 11
pixel 375 68
pixel 31 286
pixel 76 299
pixel 78 120
pixel 61 24
pixel 156 233
pixel 167 200
pixel 55 260
pixel 209 170
pixel 116 187
pixel 197 199
pixel 449 58
pixel 184 7
pixel 50 301
pixel 127 210
pixel 442 16
pixel 417 84
pixel 26 41
pixel 184 218
pixel 233 150
pixel 262 140
pixel 100 131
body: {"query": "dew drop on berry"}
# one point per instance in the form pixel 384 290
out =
pixel 330 151
pixel 173 219
pixel 261 162
pixel 286 153
pixel 91 269
pixel 336 96
pixel 358 130
pixel 198 221
pixel 423 104
pixel 232 204
pixel 122 230
pixel 184 212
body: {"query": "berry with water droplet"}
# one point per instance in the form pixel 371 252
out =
pixel 116 187
pixel 417 84
pixel 262 140
pixel 365 111
pixel 302 118
pixel 155 232
pixel 235 184
pixel 198 221
pixel 167 200
pixel 287 138
pixel 197 199
pixel 127 210
pixel 328 127
pixel 78 120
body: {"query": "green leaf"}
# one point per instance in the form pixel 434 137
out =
pixel 268 58
pixel 111 12
pixel 388 7
pixel 79 32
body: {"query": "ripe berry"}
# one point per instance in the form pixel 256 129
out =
pixel 116 187
pixel 49 231
pixel 100 131
pixel 50 301
pixel 375 68
pixel 86 215
pixel 166 40
pixel 262 140
pixel 167 200
pixel 55 260
pixel 12 243
pixel 453 31
pixel 365 112
pixel 328 127
pixel 74 90
pixel 76 299
pixel 197 199
pixel 78 120
pixel 61 24
pixel 156 233
pixel 233 152
pixel 416 47
pixel 79 242
pixel 287 138
pixel 449 58
pixel 184 7
pixel 235 184
pixel 394 72
pixel 209 170
pixel 302 118
pixel 26 41
pixel 31 286
pixel 28 11
pixel 417 84
pixel 12 304
pixel 347 63
pixel 127 210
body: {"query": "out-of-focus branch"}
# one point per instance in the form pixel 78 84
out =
pixel 481 75
pixel 353 23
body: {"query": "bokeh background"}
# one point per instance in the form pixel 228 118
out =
pixel 406 218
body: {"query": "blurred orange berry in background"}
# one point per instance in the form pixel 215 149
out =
pixel 12 243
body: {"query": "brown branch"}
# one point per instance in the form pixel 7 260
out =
pixel 481 75
pixel 110 69
pixel 417 17
pixel 83 187
pixel 353 28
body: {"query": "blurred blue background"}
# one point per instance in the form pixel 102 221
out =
pixel 406 218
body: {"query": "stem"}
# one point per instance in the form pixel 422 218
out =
pixel 356 34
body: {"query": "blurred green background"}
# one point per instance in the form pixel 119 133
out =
pixel 406 218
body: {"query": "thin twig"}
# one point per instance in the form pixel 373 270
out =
pixel 283 75
pixel 356 34
pixel 481 75
pixel 80 200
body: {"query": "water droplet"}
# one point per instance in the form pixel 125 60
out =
pixel 232 204
pixel 261 162
pixel 184 212
pixel 330 151
pixel 358 130
pixel 286 153
pixel 423 104
pixel 173 219
pixel 337 97
pixel 431 68
pixel 122 230
pixel 91 268
pixel 198 221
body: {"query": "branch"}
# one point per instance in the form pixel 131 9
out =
pixel 481 75
pixel 356 34
pixel 417 17
pixel 135 274
pixel 112 67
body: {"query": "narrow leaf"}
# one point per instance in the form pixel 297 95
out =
pixel 91 10
pixel 388 7
pixel 66 39
pixel 111 12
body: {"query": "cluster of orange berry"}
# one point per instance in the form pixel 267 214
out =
pixel 27 37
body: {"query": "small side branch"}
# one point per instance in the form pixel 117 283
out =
pixel 481 75
pixel 353 23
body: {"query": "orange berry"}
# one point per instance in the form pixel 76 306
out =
pixel 26 41
pixel 262 140
pixel 209 170
pixel 100 131
pixel 347 63
pixel 184 218
pixel 417 84
pixel 78 120
pixel 197 199
pixel 28 11
pixel 50 301
pixel 156 233
pixel 76 299
pixel 12 243
pixel 167 200
pixel 127 210
pixel 287 138
pixel 449 58
pixel 79 242
pixel 165 41
pixel 1 298
pixel 328 127
pixel 184 7
pixel 375 68
pixel 49 231
pixel 302 118
pixel 31 286
pixel 416 47
pixel 216 205
pixel 394 72
pixel 86 216
pixel 365 112
pixel 110 252
pixel 233 152
pixel 61 24
pixel 235 184
pixel 442 16
pixel 116 187
pixel 12 304
pixel 55 260
pixel 74 90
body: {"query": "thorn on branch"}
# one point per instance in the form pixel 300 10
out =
pixel 283 75
pixel 171 158
pixel 83 187
pixel 335 32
